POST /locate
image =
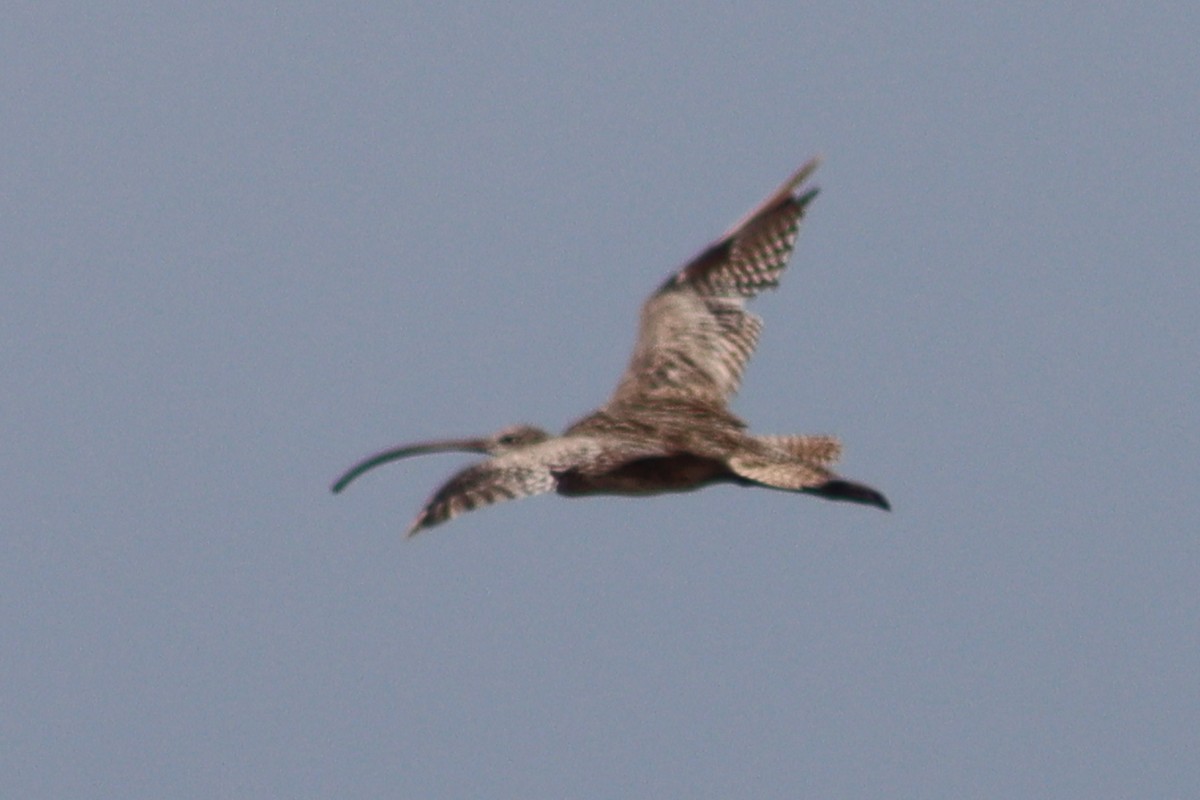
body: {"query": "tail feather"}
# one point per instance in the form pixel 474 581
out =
pixel 789 475
pixel 819 449
pixel 804 475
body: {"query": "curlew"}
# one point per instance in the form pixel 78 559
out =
pixel 667 427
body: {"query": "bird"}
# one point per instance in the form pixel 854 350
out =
pixel 667 427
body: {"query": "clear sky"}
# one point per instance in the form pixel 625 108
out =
pixel 243 245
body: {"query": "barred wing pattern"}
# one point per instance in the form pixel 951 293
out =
pixel 523 473
pixel 695 335
pixel 483 484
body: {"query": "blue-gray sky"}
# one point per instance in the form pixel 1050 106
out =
pixel 245 244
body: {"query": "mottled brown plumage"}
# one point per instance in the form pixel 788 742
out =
pixel 667 427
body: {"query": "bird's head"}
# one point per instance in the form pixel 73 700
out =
pixel 514 437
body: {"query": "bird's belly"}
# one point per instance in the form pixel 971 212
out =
pixel 645 476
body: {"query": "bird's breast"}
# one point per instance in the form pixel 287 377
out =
pixel 643 476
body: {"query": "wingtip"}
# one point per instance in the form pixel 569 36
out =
pixel 872 497
pixel 803 174
pixel 850 491
pixel 419 524
pixel 806 170
pixel 786 190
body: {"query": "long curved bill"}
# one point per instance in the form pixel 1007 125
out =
pixel 404 451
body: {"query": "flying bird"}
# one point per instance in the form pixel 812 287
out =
pixel 667 427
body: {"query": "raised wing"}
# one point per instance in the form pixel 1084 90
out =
pixel 695 335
